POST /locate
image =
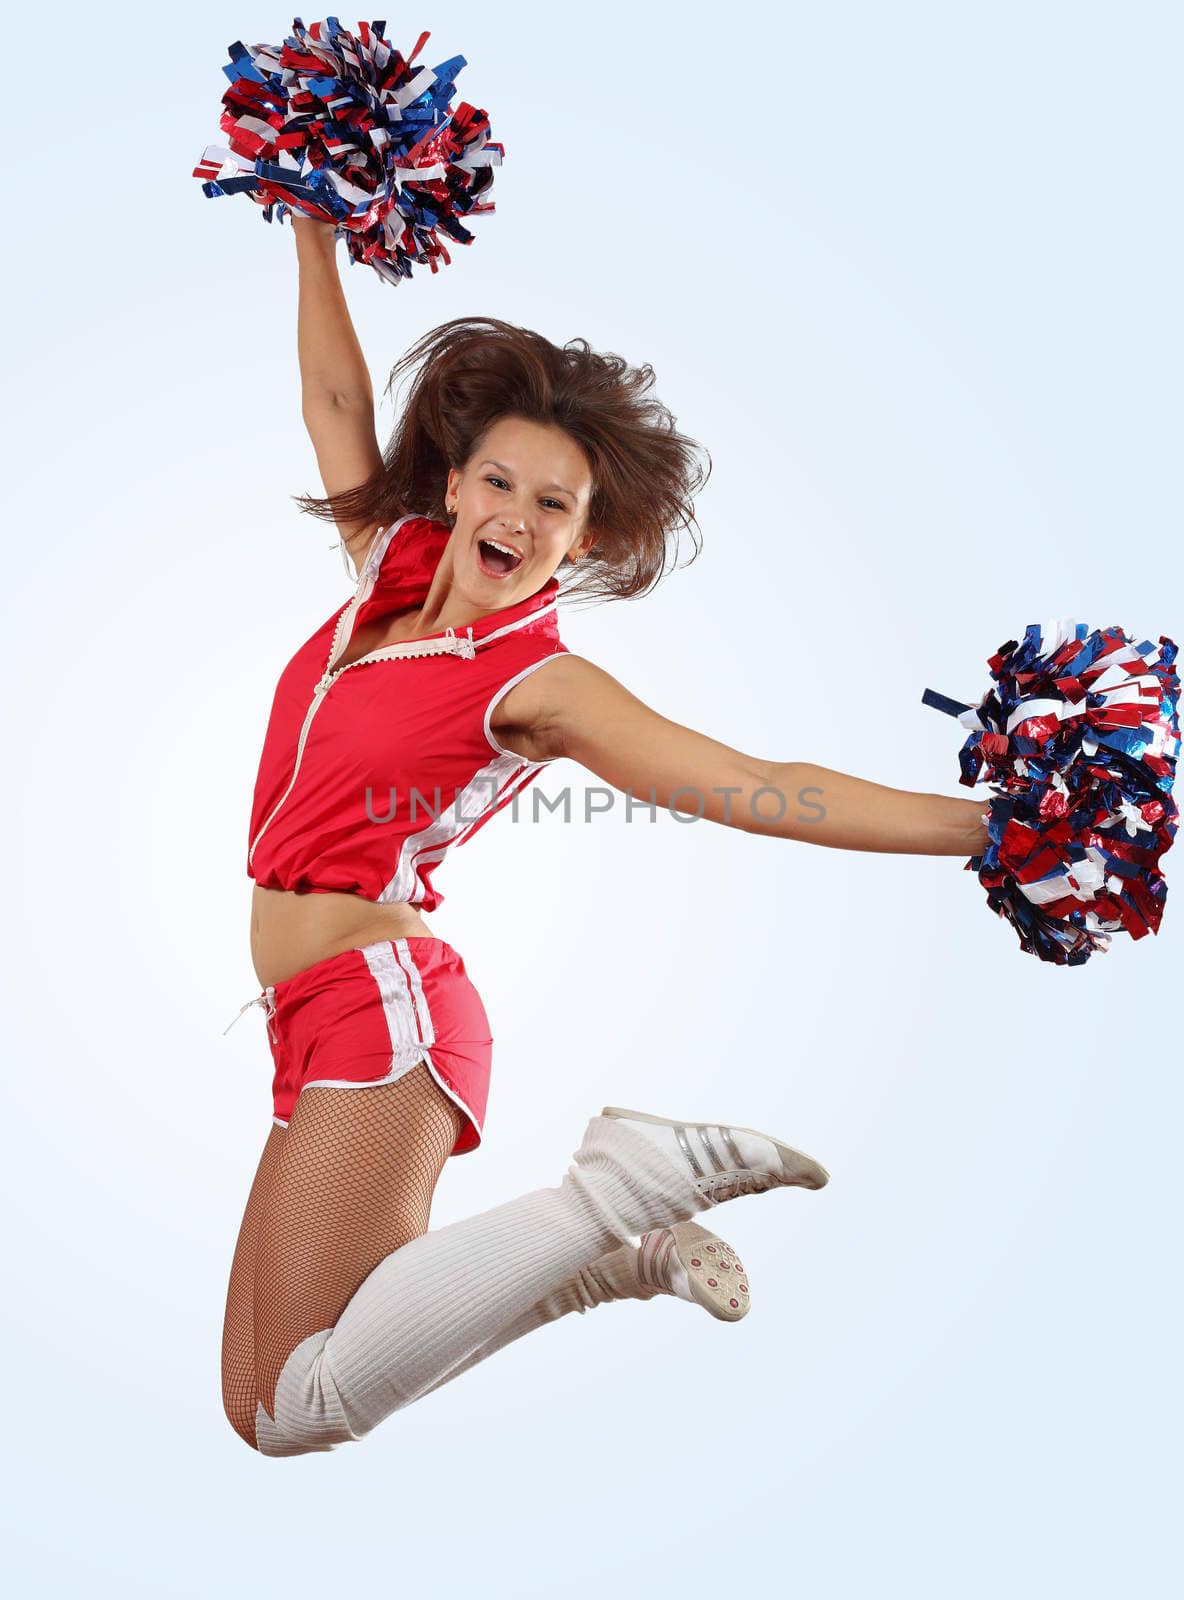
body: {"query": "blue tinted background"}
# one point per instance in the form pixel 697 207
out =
pixel 912 274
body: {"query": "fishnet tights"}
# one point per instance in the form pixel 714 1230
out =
pixel 350 1180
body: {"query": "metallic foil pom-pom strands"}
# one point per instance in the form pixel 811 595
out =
pixel 340 126
pixel 1080 738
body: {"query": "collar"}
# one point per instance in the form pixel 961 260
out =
pixel 397 575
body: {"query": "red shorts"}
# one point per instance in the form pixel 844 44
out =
pixel 370 1015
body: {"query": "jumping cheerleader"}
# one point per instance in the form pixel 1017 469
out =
pixel 411 716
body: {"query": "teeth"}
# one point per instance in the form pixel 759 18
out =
pixel 509 549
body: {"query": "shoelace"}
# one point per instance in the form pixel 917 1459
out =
pixel 265 998
pixel 731 1177
pixel 730 1184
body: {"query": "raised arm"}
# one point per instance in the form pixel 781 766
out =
pixel 574 708
pixel 337 398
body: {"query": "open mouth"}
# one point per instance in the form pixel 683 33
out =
pixel 494 561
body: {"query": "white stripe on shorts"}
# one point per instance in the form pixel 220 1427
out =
pixel 408 1020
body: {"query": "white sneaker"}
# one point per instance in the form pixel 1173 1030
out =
pixel 695 1265
pixel 726 1161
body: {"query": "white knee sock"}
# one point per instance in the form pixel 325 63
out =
pixel 430 1306
pixel 611 1277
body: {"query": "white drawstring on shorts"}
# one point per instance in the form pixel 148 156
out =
pixel 266 999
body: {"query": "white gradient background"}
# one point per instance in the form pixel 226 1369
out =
pixel 912 275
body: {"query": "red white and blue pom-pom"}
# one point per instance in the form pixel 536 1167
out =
pixel 341 127
pixel 1080 738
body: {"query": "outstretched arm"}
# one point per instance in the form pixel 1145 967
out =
pixel 576 709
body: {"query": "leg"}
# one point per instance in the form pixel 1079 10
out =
pixel 665 1262
pixel 239 1389
pixel 292 1309
pixel 431 1303
pixel 354 1183
pixel 613 1277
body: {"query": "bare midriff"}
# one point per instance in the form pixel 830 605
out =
pixel 291 932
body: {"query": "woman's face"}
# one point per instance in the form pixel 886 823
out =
pixel 527 487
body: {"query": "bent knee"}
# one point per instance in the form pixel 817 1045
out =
pixel 309 1413
pixel 259 1430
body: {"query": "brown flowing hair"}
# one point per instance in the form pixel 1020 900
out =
pixel 473 371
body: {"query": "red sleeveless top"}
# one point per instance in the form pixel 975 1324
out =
pixel 370 773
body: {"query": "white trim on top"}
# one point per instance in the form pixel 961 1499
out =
pixel 522 622
pixel 432 843
pixel 370 553
pixel 379 546
pixel 505 689
pixel 376 555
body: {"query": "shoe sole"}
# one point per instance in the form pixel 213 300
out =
pixel 718 1281
pixel 798 1168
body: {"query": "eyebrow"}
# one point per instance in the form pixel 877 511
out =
pixel 501 466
